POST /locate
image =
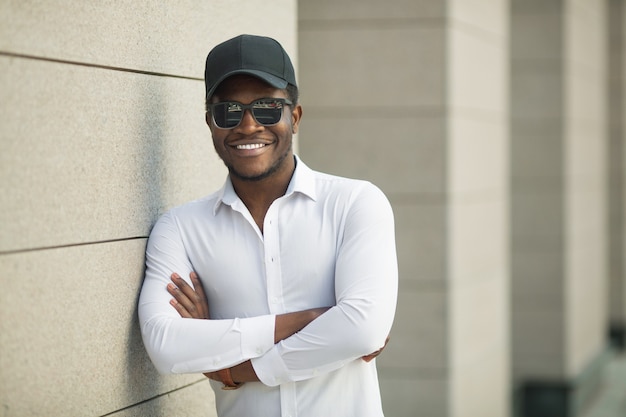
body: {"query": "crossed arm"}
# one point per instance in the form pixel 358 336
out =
pixel 191 302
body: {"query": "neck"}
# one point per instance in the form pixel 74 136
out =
pixel 258 195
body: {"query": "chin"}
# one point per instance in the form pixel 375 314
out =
pixel 250 176
pixel 258 174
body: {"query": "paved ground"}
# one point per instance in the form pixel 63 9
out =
pixel 611 400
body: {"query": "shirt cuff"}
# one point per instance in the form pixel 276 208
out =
pixel 271 369
pixel 257 335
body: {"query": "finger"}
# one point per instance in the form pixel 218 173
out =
pixel 195 301
pixel 180 308
pixel 386 341
pixel 368 358
pixel 184 294
pixel 175 291
pixel 201 296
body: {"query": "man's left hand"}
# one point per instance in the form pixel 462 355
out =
pixel 368 358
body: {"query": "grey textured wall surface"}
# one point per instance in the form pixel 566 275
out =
pixel 101 130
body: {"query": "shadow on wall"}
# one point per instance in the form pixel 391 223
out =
pixel 143 382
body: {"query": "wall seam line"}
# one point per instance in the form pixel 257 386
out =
pixel 152 398
pixel 69 245
pixel 99 66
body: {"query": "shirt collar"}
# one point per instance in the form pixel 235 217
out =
pixel 302 182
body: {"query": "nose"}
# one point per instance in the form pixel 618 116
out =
pixel 248 123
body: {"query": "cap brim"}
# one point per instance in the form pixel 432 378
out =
pixel 272 80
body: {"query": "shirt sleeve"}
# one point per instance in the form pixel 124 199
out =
pixel 183 345
pixel 366 286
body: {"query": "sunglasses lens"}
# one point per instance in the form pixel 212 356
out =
pixel 227 115
pixel 267 112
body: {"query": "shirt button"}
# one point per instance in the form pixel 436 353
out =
pixel 259 351
pixel 275 300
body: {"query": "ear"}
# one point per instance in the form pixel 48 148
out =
pixel 207 118
pixel 296 116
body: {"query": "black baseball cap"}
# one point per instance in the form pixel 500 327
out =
pixel 259 56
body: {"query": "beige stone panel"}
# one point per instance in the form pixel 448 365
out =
pixel 586 157
pixel 396 11
pixel 479 320
pixel 537 220
pixel 586 161
pixel 478 246
pixel 537 94
pixel 421 395
pixel 527 127
pixel 538 273
pixel 401 155
pixel 617 188
pixel 421 242
pixel 419 336
pixel 88 154
pixel 586 288
pixel 537 35
pixel 482 387
pixel 69 334
pixel 617 291
pixel 192 401
pixel 621 120
pixel 585 31
pixel 478 70
pixel 586 329
pixel 488 16
pixel 171 38
pixel 371 67
pixel 586 220
pixel 478 159
pixel 586 100
pixel 537 367
pixel 536 160
pixel 616 66
pixel 623 176
pixel 539 336
pixel 536 6
pixel 538 300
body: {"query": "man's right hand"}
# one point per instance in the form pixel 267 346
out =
pixel 189 302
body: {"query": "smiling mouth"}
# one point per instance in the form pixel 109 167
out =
pixel 251 146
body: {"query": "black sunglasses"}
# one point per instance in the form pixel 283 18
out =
pixel 266 112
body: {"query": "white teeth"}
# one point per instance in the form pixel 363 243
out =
pixel 251 146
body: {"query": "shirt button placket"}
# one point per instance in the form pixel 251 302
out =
pixel 272 266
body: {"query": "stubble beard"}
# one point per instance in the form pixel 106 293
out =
pixel 267 173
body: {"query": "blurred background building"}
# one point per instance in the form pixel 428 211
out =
pixel 495 127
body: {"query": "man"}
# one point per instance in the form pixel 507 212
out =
pixel 290 274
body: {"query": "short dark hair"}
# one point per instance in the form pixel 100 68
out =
pixel 291 92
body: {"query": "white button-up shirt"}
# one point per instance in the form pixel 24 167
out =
pixel 329 241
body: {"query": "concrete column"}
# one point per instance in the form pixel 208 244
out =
pixel 617 171
pixel 559 222
pixel 413 96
